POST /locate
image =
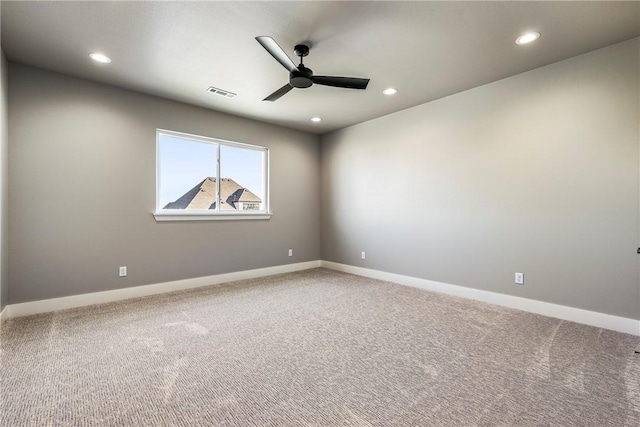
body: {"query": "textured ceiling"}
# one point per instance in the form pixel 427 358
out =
pixel 427 50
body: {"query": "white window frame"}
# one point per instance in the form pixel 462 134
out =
pixel 206 214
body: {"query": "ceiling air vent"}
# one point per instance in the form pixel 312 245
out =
pixel 221 92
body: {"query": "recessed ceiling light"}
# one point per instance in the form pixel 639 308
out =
pixel 98 57
pixel 527 38
pixel 316 119
pixel 390 91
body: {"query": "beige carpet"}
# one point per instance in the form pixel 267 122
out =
pixel 314 348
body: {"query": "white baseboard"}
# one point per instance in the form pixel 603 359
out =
pixel 592 318
pixel 4 315
pixel 601 320
pixel 54 304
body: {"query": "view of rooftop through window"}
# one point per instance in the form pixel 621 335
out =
pixel 187 174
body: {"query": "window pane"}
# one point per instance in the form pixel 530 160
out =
pixel 187 172
pixel 242 185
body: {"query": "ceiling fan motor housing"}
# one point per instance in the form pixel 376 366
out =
pixel 301 78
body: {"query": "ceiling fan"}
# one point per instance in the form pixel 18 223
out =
pixel 301 76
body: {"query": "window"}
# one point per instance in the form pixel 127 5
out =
pixel 200 178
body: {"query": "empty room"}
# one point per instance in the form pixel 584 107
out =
pixel 319 213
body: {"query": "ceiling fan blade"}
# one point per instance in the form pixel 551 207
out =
pixel 277 94
pixel 346 82
pixel 276 51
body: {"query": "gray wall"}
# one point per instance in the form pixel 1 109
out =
pixel 4 184
pixel 537 173
pixel 82 191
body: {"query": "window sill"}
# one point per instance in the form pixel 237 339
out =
pixel 180 215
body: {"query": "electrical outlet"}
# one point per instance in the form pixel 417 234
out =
pixel 122 271
pixel 290 252
pixel 520 278
pixel 363 255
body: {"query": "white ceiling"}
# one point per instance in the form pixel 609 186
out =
pixel 427 50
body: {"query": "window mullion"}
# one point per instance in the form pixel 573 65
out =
pixel 218 177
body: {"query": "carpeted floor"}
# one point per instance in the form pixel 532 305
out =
pixel 313 348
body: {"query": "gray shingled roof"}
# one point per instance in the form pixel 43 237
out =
pixel 203 196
